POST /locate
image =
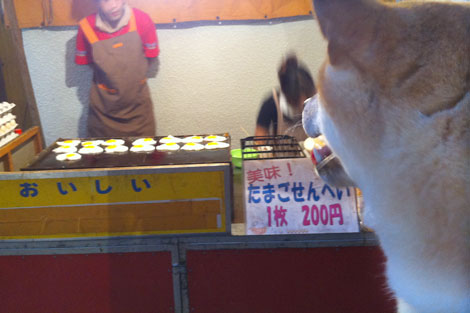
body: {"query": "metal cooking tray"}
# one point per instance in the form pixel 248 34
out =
pixel 271 147
pixel 46 160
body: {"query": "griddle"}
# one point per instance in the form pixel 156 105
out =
pixel 46 160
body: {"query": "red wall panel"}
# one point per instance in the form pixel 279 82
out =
pixel 101 283
pixel 323 280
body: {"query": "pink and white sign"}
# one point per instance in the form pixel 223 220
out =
pixel 286 196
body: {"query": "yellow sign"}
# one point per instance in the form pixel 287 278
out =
pixel 22 193
pixel 110 205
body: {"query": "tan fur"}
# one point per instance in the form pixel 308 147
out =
pixel 395 108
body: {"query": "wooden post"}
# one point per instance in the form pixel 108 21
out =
pixel 16 79
pixel 3 93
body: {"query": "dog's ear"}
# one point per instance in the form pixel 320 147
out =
pixel 348 25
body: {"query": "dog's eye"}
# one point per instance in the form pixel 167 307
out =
pixel 307 100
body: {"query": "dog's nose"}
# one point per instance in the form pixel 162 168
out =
pixel 310 116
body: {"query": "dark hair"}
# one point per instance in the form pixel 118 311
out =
pixel 295 80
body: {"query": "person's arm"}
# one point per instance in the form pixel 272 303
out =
pixel 153 65
pixel 148 34
pixel 267 116
pixel 83 49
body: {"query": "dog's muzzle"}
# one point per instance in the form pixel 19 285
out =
pixel 329 169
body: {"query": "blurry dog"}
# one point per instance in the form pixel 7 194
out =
pixel 394 105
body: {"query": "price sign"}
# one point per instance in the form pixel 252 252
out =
pixel 286 196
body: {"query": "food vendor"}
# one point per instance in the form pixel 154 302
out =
pixel 120 43
pixel 281 113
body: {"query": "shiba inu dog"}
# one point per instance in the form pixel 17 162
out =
pixel 394 106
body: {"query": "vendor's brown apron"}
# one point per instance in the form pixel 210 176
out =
pixel 120 103
pixel 285 127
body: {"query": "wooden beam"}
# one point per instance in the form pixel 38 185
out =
pixel 44 13
pixel 16 78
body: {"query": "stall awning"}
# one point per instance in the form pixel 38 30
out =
pixel 37 13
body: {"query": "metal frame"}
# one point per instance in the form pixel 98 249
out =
pixel 283 146
pixel 178 247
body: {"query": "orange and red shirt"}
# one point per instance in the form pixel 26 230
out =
pixel 145 28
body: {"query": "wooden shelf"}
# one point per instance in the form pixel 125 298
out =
pixel 6 151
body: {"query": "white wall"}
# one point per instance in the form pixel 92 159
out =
pixel 211 79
